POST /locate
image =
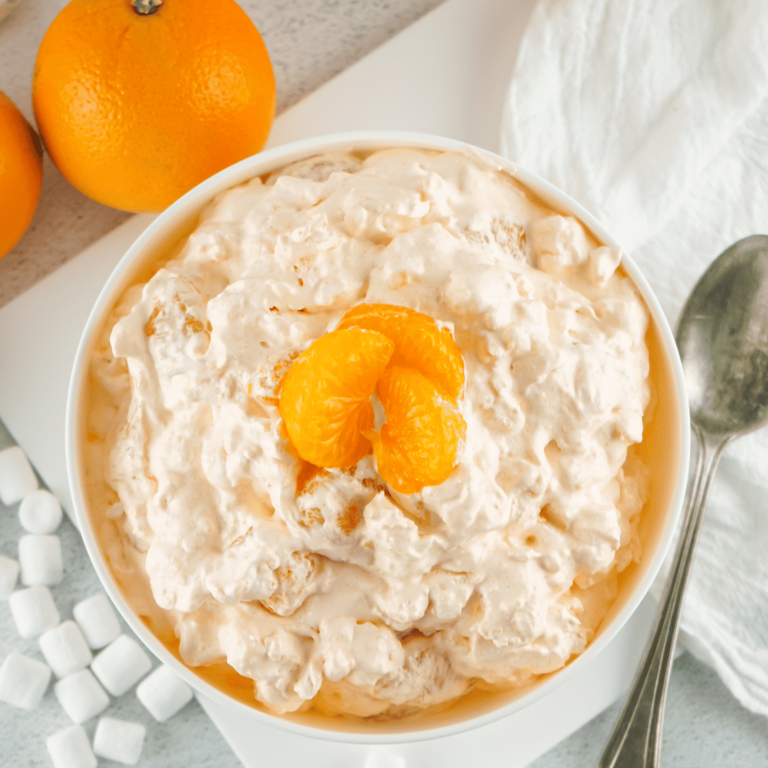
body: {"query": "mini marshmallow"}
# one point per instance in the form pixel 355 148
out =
pixel 69 748
pixel 40 559
pixel 40 512
pixel 121 664
pixel 96 618
pixel 33 611
pixel 65 649
pixel 16 476
pixel 81 696
pixel 23 681
pixel 163 693
pixel 9 572
pixel 119 740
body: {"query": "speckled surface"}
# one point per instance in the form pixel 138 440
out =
pixel 309 41
pixel 704 726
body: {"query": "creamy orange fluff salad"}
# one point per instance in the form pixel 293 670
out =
pixel 328 586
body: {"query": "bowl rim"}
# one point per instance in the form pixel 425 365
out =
pixel 183 210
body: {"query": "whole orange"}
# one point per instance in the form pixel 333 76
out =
pixel 21 174
pixel 137 102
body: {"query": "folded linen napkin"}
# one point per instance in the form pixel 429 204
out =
pixel 654 115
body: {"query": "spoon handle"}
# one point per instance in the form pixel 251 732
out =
pixel 636 738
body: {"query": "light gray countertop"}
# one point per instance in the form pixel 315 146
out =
pixel 309 41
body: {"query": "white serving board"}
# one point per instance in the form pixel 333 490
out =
pixel 447 75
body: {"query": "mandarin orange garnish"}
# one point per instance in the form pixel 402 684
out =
pixel 417 371
pixel 419 342
pixel 325 398
pixel 419 443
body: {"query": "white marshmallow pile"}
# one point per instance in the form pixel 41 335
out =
pixel 68 646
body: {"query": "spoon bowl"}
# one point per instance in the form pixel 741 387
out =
pixel 723 341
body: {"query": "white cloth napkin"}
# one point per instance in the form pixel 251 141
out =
pixel 654 115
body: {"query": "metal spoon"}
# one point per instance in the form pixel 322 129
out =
pixel 722 337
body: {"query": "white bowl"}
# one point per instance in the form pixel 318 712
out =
pixel 668 444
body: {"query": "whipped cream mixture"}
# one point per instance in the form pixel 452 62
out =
pixel 326 587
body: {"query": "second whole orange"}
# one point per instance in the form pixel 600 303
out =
pixel 21 174
pixel 138 101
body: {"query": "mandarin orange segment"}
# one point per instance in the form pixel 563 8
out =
pixel 419 342
pixel 325 398
pixel 419 443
